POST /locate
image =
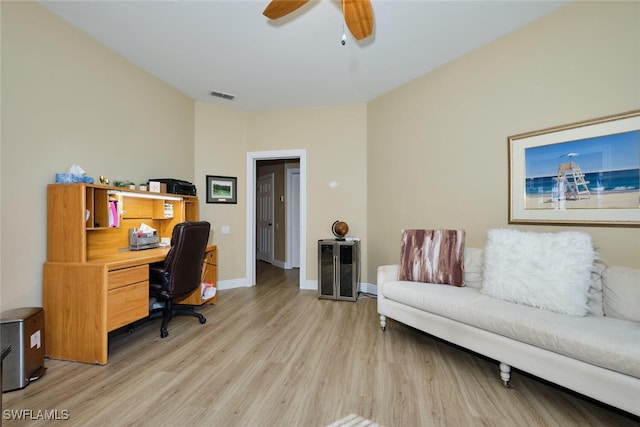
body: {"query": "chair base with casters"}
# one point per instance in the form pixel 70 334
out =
pixel 180 273
pixel 170 310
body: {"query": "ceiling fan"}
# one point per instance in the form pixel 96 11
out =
pixel 358 14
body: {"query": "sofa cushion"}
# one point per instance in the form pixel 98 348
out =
pixel 473 266
pixel 606 342
pixel 595 301
pixel 432 256
pixel 621 288
pixel 543 270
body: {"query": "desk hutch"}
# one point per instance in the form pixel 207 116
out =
pixel 92 283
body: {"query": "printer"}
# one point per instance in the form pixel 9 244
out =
pixel 176 186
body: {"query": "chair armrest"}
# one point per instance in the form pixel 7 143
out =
pixel 158 276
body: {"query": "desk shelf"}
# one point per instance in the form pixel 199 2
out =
pixel 97 208
pixel 78 218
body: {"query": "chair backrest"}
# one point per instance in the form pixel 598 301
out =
pixel 184 260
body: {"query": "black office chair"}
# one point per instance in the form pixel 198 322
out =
pixel 180 273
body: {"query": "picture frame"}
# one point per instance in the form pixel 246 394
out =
pixel 222 189
pixel 584 173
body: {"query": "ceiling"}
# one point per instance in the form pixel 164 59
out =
pixel 296 61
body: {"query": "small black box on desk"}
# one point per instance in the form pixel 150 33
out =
pixel 176 186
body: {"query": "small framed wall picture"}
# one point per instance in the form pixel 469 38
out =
pixel 222 189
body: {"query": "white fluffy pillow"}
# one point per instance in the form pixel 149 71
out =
pixel 544 270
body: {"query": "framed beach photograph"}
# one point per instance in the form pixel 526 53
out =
pixel 222 189
pixel 585 173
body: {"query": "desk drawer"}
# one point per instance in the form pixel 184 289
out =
pixel 127 304
pixel 127 276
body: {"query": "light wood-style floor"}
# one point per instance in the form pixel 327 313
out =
pixel 274 355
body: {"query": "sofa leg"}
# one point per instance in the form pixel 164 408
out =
pixel 383 322
pixel 505 374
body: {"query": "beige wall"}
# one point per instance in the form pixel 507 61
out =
pixel 68 99
pixel 335 140
pixel 439 144
pixel 221 149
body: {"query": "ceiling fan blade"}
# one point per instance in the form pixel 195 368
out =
pixel 279 8
pixel 358 14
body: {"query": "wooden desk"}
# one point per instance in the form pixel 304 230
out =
pixel 91 286
pixel 83 302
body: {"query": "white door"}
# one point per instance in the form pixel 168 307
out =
pixel 264 220
pixel 293 209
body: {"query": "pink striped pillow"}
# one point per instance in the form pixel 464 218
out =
pixel 432 256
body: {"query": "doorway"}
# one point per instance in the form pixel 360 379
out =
pixel 300 181
pixel 293 218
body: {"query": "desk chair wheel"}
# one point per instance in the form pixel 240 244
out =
pixel 203 320
pixel 164 333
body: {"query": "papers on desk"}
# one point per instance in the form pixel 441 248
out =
pixel 207 290
pixel 144 228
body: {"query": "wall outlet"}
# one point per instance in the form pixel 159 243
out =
pixel 225 229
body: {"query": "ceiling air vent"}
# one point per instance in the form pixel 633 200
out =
pixel 223 95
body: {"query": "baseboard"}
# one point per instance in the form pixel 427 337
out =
pixel 311 285
pixel 232 283
pixel 279 264
pixel 368 288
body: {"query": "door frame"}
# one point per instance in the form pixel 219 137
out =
pixel 252 158
pixel 290 195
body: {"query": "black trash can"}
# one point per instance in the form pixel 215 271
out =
pixel 23 330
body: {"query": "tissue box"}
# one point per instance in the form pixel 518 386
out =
pixel 68 178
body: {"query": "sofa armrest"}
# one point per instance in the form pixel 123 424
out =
pixel 387 273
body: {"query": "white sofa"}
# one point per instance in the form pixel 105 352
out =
pixel 597 355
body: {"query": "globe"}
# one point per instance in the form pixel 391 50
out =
pixel 340 229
